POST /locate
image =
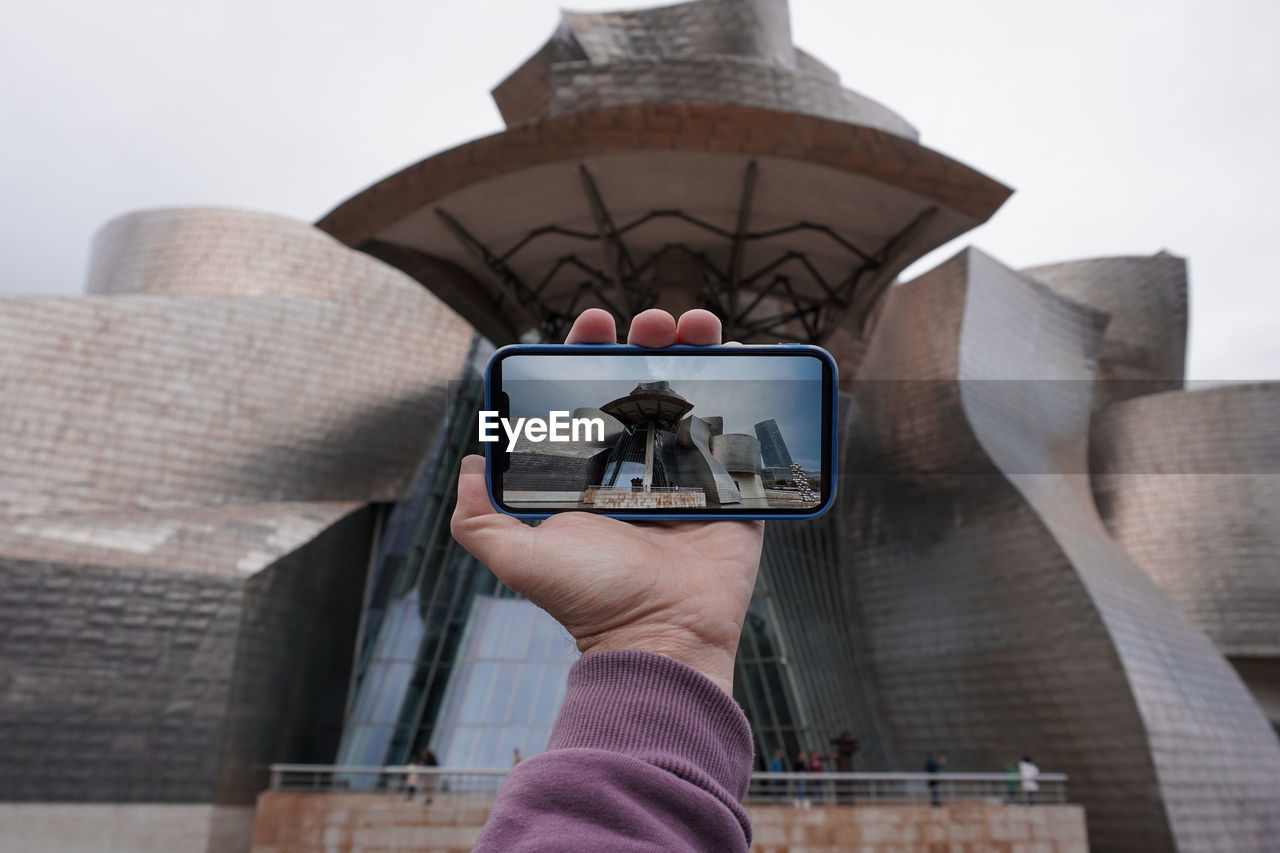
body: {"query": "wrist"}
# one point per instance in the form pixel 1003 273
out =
pixel 710 660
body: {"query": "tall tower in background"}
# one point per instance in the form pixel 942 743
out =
pixel 773 450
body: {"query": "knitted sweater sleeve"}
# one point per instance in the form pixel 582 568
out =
pixel 646 755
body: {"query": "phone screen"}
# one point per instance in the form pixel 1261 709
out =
pixel 736 431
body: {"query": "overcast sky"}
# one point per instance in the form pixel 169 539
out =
pixel 1125 127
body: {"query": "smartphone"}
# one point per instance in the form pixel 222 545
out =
pixel 681 432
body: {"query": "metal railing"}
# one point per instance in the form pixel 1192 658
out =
pixel 462 784
pixel 805 789
pixel 454 783
pixel 651 490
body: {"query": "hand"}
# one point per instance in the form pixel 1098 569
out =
pixel 679 589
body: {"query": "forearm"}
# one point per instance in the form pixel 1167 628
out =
pixel 647 754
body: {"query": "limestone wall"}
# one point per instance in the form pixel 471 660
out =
pixel 336 823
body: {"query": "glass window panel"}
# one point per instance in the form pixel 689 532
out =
pixel 550 694
pixel 369 693
pixel 778 693
pixel 557 677
pixel 503 688
pixel 360 746
pixel 491 747
pixel 383 703
pixel 506 742
pixel 455 692
pixel 519 616
pixel 476 692
pixel 525 692
pixel 386 703
pixel 537 741
pixel 409 630
pixel 442 742
pixel 494 633
pixel 462 747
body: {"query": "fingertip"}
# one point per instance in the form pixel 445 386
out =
pixel 698 327
pixel 473 491
pixel 593 326
pixel 652 327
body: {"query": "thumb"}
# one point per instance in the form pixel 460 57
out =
pixel 492 538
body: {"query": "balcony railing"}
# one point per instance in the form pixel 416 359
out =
pixel 459 784
pixel 655 490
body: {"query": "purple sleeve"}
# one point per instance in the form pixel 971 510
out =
pixel 647 754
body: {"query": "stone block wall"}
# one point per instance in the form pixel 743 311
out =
pixel 344 823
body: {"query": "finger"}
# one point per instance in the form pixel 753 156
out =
pixel 699 328
pixel 473 491
pixel 488 534
pixel 652 328
pixel 593 326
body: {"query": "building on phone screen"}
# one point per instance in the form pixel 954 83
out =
pixel 229 467
pixel 653 454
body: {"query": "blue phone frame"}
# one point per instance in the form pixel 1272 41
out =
pixel 601 349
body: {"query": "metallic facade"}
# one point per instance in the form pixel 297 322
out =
pixel 1189 485
pixel 1144 348
pixel 716 51
pixel 189 458
pixel 228 470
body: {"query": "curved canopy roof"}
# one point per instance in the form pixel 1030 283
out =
pixel 788 226
pixel 650 402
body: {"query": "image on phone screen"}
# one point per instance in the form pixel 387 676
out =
pixel 684 434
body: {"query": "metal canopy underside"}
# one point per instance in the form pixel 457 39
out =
pixel 781 247
pixel 648 407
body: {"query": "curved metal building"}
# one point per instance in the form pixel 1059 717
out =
pixel 228 470
pixel 1144 349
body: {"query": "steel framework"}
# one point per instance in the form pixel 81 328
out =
pixel 786 298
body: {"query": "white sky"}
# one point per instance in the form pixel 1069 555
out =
pixel 1125 126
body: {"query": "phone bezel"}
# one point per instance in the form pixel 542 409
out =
pixel 494 451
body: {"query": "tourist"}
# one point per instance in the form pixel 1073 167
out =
pixel 801 766
pixel 1028 773
pixel 649 750
pixel 429 780
pixel 846 746
pixel 817 761
pixel 778 764
pixel 1012 781
pixel 933 765
pixel 412 780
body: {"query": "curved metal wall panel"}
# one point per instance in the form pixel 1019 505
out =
pixel 1189 484
pixel 1216 759
pixel 1144 350
pixel 207 251
pixel 184 397
pixel 998 617
pixel 707 51
pixel 755 28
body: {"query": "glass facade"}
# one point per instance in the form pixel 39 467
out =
pixel 762 683
pixel 506 684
